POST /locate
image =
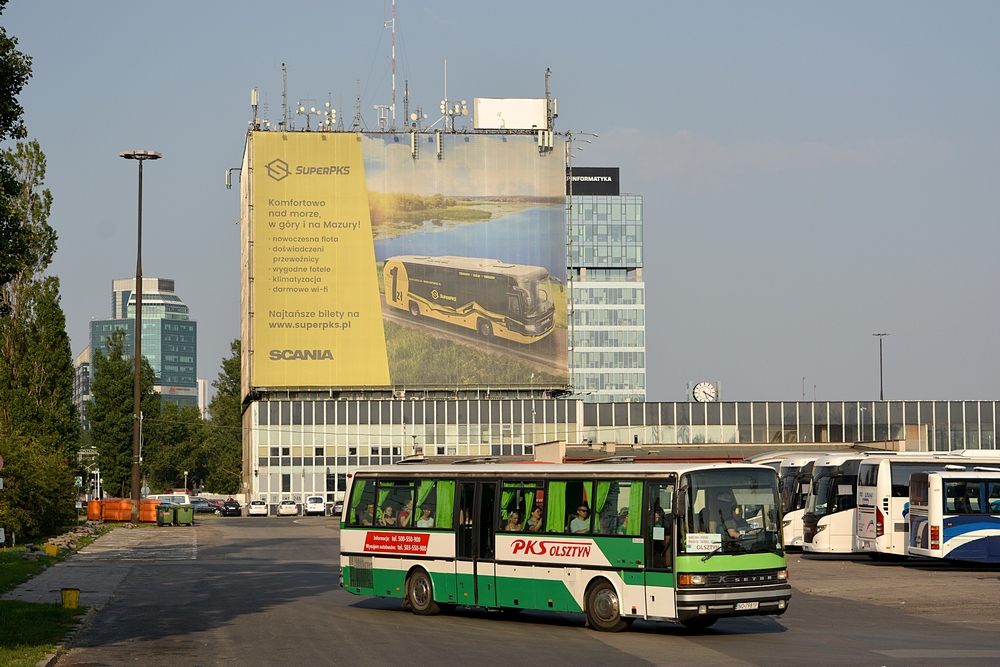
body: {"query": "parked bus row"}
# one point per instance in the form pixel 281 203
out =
pixel 859 502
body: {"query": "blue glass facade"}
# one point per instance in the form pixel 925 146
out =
pixel 169 336
pixel 607 321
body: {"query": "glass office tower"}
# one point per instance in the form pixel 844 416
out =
pixel 169 335
pixel 607 324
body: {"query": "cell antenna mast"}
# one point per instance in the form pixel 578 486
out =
pixel 393 22
pixel 284 97
pixel 406 102
pixel 356 126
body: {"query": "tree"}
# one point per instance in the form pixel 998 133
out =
pixel 172 442
pixel 15 70
pixel 225 439
pixel 111 410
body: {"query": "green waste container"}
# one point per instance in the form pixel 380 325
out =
pixel 164 514
pixel 184 514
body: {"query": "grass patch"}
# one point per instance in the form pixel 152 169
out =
pixel 15 570
pixel 29 631
pixel 420 358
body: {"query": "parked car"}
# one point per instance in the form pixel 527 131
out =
pixel 314 505
pixel 287 508
pixel 257 508
pixel 232 508
pixel 202 506
pixel 338 508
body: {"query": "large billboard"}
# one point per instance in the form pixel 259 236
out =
pixel 391 259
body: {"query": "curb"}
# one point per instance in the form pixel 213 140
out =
pixel 51 659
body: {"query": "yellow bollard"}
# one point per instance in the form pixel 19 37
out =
pixel 70 598
pixel 51 550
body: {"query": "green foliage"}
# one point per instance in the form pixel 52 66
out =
pixel 111 411
pixel 15 70
pixel 225 437
pixel 39 432
pixel 419 358
pixel 172 442
pixel 410 208
pixel 15 570
pixel 38 494
pixel 29 631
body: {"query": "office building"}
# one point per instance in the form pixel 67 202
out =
pixel 169 335
pixel 81 386
pixel 608 328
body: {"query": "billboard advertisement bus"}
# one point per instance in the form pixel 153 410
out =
pixel 376 260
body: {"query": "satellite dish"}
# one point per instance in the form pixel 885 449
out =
pixel 413 116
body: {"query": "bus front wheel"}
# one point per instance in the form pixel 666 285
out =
pixel 604 608
pixel 485 328
pixel 421 594
pixel 414 309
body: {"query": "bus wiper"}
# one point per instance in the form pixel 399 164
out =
pixel 712 553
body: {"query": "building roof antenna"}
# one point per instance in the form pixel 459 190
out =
pixel 384 24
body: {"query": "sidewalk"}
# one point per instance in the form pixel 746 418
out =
pixel 99 569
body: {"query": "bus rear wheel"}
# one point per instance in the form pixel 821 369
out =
pixel 604 608
pixel 485 328
pixel 421 594
pixel 414 309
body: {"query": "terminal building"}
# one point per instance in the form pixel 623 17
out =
pixel 446 293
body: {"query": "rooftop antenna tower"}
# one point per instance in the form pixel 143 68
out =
pixel 284 97
pixel 406 102
pixel 393 22
pixel 340 122
pixel 356 125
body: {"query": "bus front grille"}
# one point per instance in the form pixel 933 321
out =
pixel 743 578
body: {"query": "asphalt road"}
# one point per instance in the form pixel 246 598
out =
pixel 265 591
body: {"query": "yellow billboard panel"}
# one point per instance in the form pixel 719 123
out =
pixel 316 309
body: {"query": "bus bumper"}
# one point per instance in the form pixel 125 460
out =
pixel 750 601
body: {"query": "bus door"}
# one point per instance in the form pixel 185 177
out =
pixel 475 562
pixel 660 533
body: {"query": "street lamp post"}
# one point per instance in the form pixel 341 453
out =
pixel 141 156
pixel 881 393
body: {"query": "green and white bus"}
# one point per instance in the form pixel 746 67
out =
pixel 618 541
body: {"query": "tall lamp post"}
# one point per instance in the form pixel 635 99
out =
pixel 881 394
pixel 141 156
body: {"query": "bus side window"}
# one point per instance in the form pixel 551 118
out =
pixel 362 508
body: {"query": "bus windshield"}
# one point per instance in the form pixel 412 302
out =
pixel 536 293
pixel 730 511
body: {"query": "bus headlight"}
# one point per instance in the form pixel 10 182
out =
pixel 785 523
pixel 782 575
pixel 692 579
pixel 820 529
pixel 531 328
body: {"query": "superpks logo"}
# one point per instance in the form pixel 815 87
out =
pixel 277 169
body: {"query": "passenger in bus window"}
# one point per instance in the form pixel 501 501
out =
pixel 388 517
pixel 581 522
pixel 405 513
pixel 514 522
pixel 622 521
pixel 534 522
pixel 426 519
pixel 366 516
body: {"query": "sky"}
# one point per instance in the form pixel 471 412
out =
pixel 812 173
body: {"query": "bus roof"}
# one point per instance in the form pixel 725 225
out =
pixel 472 264
pixel 986 475
pixel 800 460
pixel 555 469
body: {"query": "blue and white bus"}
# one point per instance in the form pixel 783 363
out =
pixel 955 515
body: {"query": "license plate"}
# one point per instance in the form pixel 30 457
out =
pixel 746 606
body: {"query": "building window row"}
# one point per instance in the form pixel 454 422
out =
pixel 608 295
